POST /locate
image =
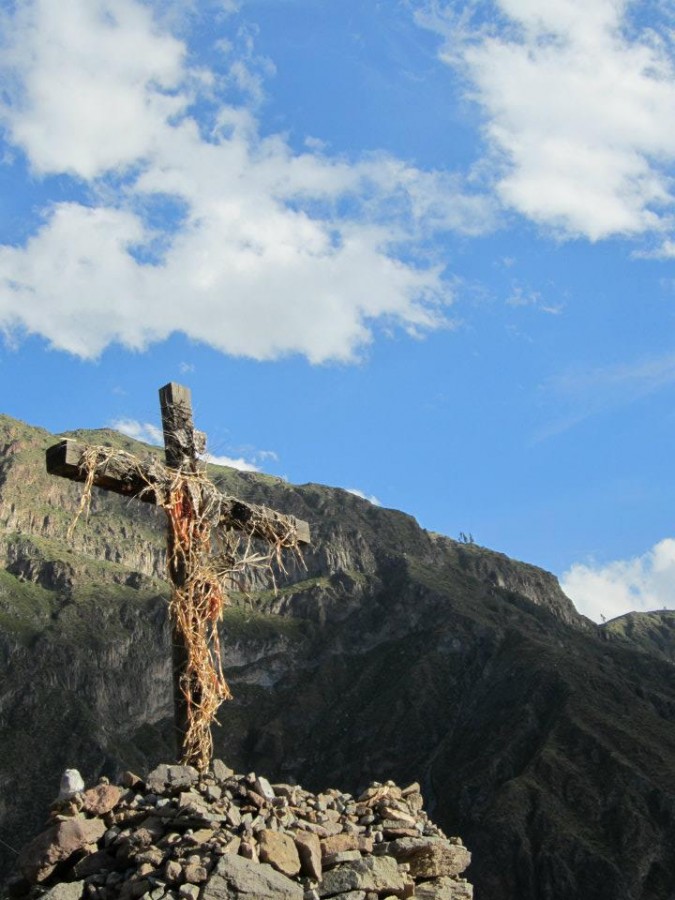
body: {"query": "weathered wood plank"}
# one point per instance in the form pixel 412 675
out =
pixel 65 459
pixel 182 442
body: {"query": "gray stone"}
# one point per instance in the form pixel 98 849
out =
pixel 189 891
pixel 444 888
pixel 368 874
pixel 182 776
pixel 157 779
pixel 264 788
pixel 71 890
pixel 101 861
pixel 334 859
pixel 220 771
pixel 236 878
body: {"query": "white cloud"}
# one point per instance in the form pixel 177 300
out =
pixel 371 498
pixel 578 105
pixel 95 84
pixel 139 431
pixel 254 253
pixel 239 463
pixel 151 434
pixel 640 584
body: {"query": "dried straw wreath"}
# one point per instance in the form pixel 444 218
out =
pixel 206 561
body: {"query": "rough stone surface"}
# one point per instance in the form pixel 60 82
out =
pixel 71 890
pixel 369 874
pixel 438 859
pixel 443 889
pixel 99 800
pixel 279 851
pixel 309 851
pixel 240 879
pixel 38 860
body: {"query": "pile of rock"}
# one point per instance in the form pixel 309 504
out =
pixel 179 835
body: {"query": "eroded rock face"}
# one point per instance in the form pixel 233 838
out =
pixel 152 838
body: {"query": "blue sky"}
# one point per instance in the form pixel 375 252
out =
pixel 420 249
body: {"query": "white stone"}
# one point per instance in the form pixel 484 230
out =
pixel 71 784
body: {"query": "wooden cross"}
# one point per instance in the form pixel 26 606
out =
pixel 194 507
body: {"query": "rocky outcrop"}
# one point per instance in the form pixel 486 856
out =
pixel 176 835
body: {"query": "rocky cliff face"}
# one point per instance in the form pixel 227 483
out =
pixel 393 654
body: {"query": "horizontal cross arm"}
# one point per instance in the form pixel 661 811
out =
pixel 113 474
pixel 116 473
pixel 262 522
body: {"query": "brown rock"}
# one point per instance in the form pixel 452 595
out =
pixel 398 815
pixel 256 799
pixel 435 859
pixel 195 874
pixel 130 780
pixel 152 855
pixel 338 843
pixel 249 851
pixel 233 846
pixel 393 829
pixel 173 871
pixel 279 851
pixel 38 860
pixel 99 800
pixel 413 788
pixel 443 889
pixel 309 850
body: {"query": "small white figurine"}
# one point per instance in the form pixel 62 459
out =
pixel 71 784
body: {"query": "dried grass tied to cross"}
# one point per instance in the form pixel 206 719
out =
pixel 214 543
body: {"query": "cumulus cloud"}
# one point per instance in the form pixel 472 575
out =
pixel 640 584
pixel 183 218
pixel 578 103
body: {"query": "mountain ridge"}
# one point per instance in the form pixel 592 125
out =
pixel 545 741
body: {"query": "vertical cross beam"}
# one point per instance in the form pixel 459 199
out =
pixel 180 447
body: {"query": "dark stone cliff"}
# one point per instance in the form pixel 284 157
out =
pixel 547 743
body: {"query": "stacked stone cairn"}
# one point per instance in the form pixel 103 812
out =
pixel 179 835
